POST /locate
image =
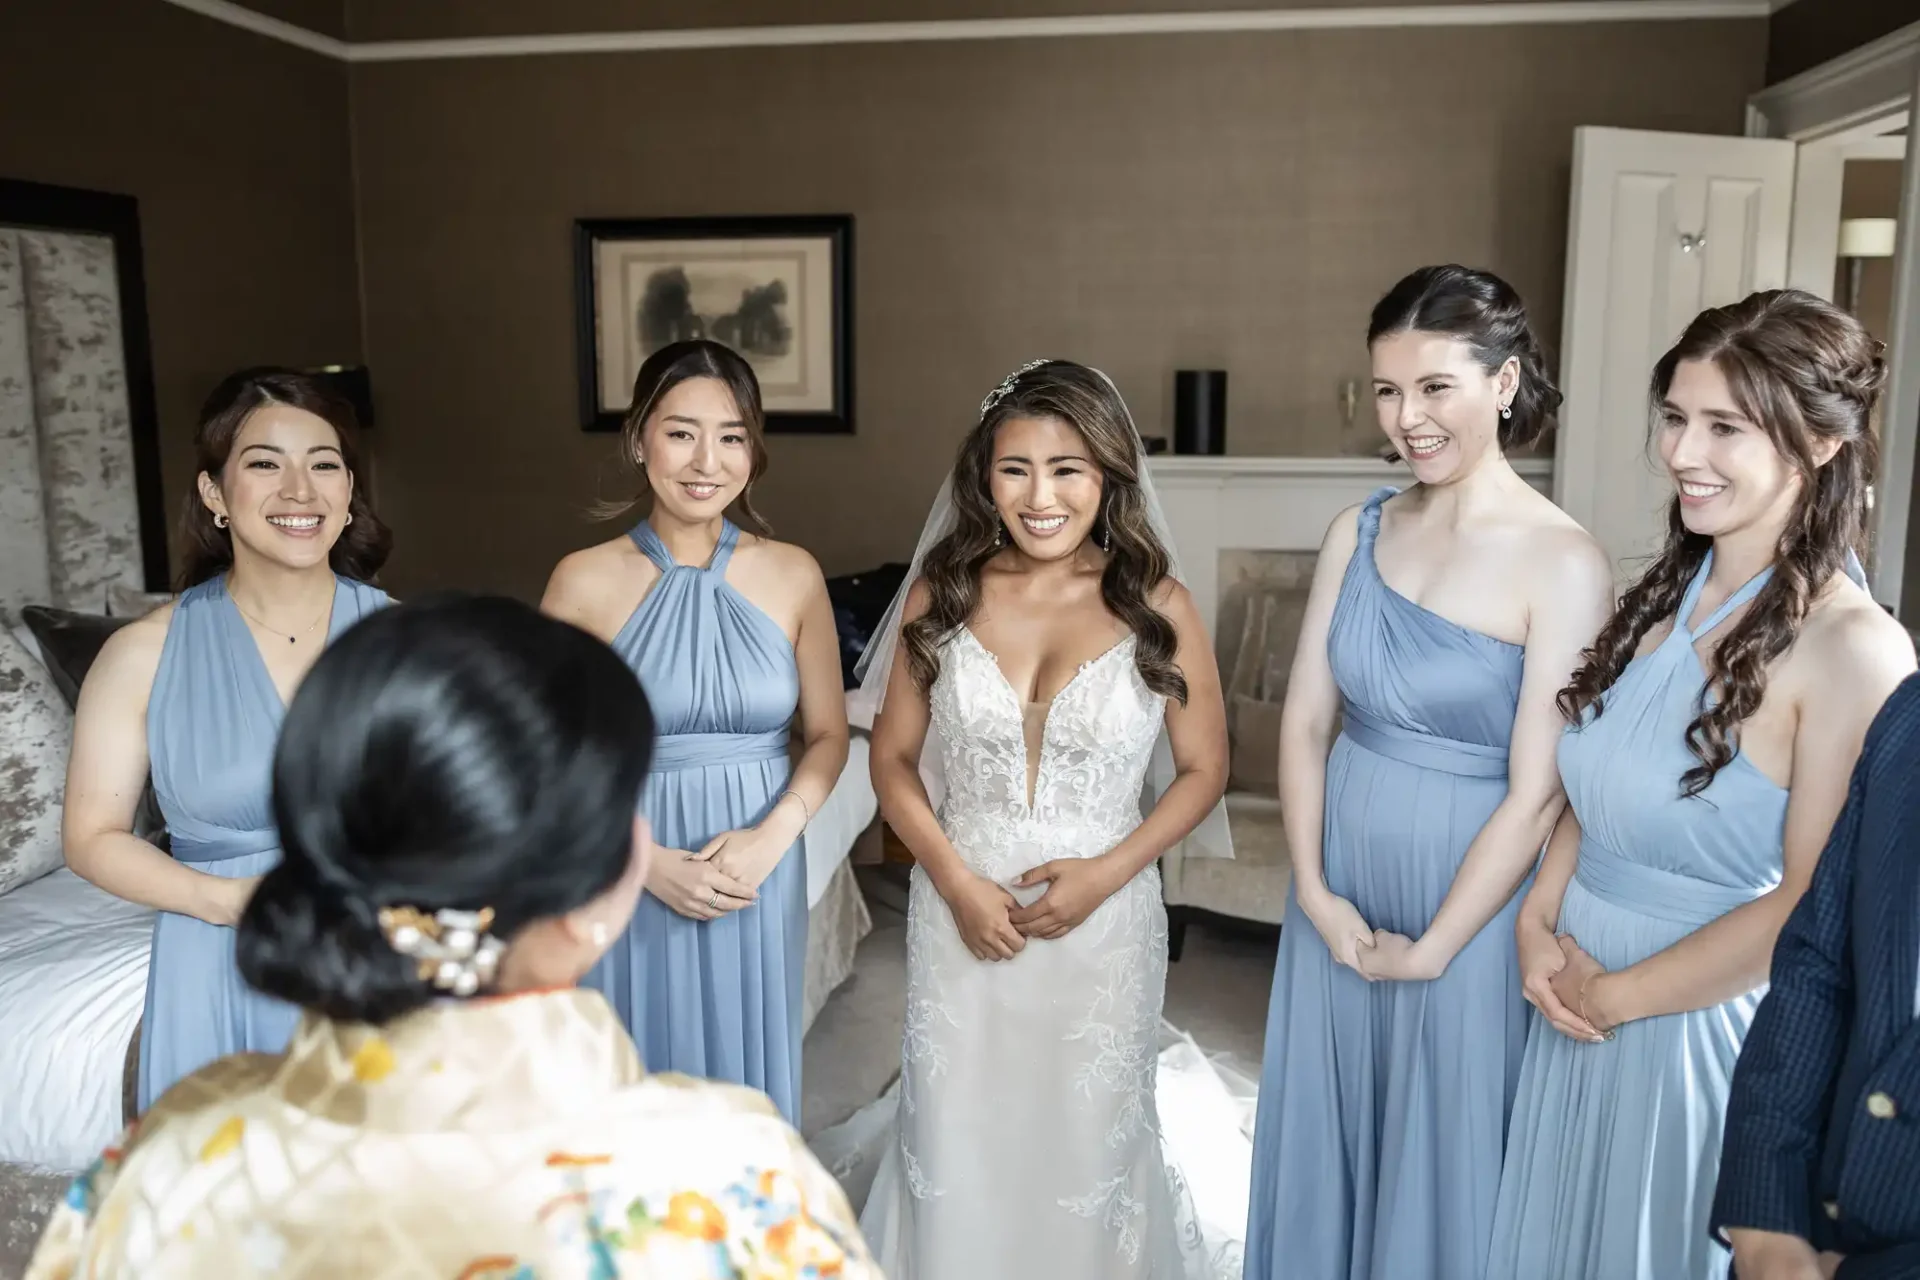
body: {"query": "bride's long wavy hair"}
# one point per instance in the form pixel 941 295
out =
pixel 1137 563
pixel 1808 375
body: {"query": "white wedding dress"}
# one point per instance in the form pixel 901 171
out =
pixel 1027 1144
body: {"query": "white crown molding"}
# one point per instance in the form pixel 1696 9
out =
pixel 1855 89
pixel 1524 13
pixel 260 24
pixel 1228 466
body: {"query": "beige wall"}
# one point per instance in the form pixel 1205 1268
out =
pixel 1143 203
pixel 237 149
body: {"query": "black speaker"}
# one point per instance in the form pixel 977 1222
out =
pixel 353 383
pixel 1200 411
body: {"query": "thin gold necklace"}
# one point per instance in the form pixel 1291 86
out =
pixel 290 639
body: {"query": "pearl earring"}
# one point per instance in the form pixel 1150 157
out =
pixel 1506 411
pixel 599 934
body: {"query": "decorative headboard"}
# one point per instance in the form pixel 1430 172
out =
pixel 80 507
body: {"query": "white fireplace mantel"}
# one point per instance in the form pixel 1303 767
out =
pixel 1223 502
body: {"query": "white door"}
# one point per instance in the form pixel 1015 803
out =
pixel 1663 226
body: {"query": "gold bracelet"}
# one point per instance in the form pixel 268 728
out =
pixel 1581 1000
pixel 803 806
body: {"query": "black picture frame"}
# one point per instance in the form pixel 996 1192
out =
pixel 42 207
pixel 600 411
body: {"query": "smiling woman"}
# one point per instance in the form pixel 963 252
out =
pixel 731 634
pixel 277 543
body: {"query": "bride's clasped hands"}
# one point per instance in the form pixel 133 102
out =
pixel 1075 889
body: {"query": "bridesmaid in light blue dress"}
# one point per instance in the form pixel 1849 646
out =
pixel 212 721
pixel 1698 801
pixel 731 638
pixel 1397 1024
pixel 276 546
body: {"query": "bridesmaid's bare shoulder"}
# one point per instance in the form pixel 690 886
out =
pixel 596 588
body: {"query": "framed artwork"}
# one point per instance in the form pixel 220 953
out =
pixel 778 290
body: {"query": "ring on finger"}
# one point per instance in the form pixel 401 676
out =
pixel 713 899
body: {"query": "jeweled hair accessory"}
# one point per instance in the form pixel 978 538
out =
pixel 453 949
pixel 1000 392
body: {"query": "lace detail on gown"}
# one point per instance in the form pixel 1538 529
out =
pixel 1028 1143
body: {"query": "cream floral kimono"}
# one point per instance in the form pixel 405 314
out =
pixel 507 1139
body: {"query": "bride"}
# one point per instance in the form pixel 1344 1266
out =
pixel 1049 650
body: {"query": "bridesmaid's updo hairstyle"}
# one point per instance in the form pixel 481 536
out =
pixel 661 372
pixel 1483 311
pixel 453 753
pixel 1808 375
pixel 207 549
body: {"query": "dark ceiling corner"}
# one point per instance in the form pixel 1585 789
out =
pixel 1809 32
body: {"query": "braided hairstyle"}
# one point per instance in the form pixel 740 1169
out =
pixel 1810 376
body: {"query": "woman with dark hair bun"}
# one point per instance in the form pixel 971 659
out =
pixel 1417 775
pixel 279 543
pixel 455 785
pixel 1710 736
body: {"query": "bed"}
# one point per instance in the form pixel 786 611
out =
pixel 73 977
pixel 82 536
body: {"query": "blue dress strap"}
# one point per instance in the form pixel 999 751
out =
pixel 1370 512
pixel 723 550
pixel 1748 590
pixel 655 550
pixel 1855 569
pixel 651 547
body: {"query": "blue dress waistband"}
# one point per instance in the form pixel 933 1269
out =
pixel 1655 892
pixel 677 751
pixel 1423 750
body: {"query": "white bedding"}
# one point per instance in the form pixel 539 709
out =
pixel 73 978
pixel 850 810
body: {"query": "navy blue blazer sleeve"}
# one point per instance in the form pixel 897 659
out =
pixel 1784 1079
pixel 1901 1263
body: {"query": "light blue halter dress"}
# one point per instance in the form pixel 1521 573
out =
pixel 1615 1147
pixel 213 719
pixel 719 998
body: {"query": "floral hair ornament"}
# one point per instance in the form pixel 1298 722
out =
pixel 453 949
pixel 1001 392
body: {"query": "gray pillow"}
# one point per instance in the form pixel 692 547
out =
pixel 69 642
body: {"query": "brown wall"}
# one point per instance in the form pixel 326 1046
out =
pixel 1809 32
pixel 1143 203
pixel 237 149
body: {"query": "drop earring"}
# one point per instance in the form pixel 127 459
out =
pixel 1506 411
pixel 599 933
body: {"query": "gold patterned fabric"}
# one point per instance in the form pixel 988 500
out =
pixel 507 1139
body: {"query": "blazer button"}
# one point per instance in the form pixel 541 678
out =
pixel 1833 1209
pixel 1881 1107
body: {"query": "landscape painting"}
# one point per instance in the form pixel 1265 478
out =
pixel 776 290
